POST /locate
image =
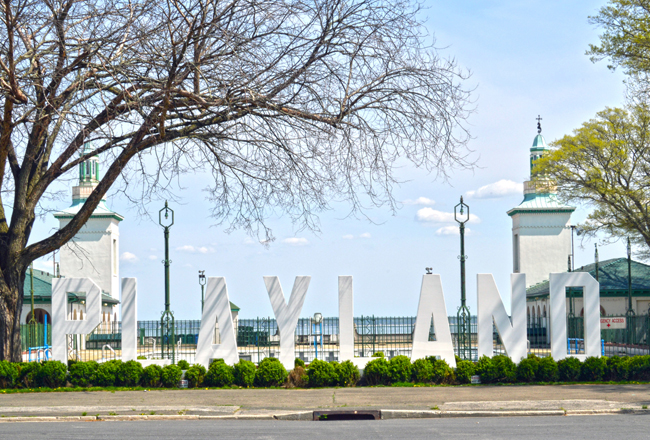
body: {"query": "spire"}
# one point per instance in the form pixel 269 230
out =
pixel 539 125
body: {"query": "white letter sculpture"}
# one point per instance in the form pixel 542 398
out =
pixel 490 306
pixel 558 283
pixel 61 326
pixel 432 303
pixel 346 319
pixel 286 315
pixel 216 309
pixel 129 319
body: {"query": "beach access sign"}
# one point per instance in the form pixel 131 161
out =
pixel 491 314
pixel 612 323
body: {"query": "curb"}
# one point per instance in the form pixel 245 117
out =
pixel 386 414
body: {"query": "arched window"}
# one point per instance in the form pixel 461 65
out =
pixel 39 316
pixel 74 315
pixel 544 311
pixel 81 315
pixel 539 315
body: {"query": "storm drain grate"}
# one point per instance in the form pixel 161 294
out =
pixel 347 415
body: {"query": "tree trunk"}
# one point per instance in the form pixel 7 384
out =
pixel 11 305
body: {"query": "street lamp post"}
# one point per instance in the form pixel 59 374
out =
pixel 33 325
pixel 463 317
pixel 630 311
pixel 318 322
pixel 202 282
pixel 167 319
pixel 596 260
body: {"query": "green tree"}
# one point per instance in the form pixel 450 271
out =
pixel 625 41
pixel 288 105
pixel 606 165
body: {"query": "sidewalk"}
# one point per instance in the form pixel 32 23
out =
pixel 300 403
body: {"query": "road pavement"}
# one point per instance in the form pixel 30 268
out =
pixel 628 427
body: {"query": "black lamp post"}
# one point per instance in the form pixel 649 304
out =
pixel 463 317
pixel 630 311
pixel 202 282
pixel 167 319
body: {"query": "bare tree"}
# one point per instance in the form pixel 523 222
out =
pixel 289 103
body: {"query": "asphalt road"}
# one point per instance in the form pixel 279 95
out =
pixel 629 427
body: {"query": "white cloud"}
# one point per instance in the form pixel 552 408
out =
pixel 249 240
pixel 451 230
pixel 430 215
pixel 502 188
pixel 296 241
pixel 365 235
pixel 348 237
pixel 420 201
pixel 128 257
pixel 153 257
pixel 195 249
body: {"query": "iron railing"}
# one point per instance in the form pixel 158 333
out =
pixel 259 338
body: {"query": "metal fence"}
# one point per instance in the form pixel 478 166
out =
pixel 259 338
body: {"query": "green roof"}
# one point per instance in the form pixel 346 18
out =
pixel 612 276
pixel 43 291
pixel 540 203
pixel 539 143
pixel 99 212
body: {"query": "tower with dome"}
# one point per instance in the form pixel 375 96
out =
pixel 541 235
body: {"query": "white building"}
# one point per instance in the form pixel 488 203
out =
pixel 93 252
pixel 541 234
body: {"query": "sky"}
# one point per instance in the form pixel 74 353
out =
pixel 526 58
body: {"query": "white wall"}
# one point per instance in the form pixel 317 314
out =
pixel 544 244
pixel 91 254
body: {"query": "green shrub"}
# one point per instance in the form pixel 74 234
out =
pixel 422 371
pixel 617 368
pixel 28 374
pixel 321 374
pixel 106 375
pixel 593 369
pixel 83 374
pixel 141 358
pixel 464 371
pixel 299 363
pixel 442 372
pixel 183 364
pixel 8 374
pixel 501 369
pixel 376 372
pixel 151 376
pixel 483 368
pixel 129 374
pixel 270 373
pixel 378 354
pixel 639 368
pixel 52 374
pixel 399 369
pixel 348 374
pixel 171 376
pixel 244 373
pixel 219 375
pixel 195 375
pixel 527 369
pixel 568 369
pixel 546 370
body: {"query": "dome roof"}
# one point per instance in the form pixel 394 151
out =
pixel 539 143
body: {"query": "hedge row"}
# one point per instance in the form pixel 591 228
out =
pixel 270 372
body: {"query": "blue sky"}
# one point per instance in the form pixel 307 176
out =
pixel 526 58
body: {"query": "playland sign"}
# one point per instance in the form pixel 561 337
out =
pixel 432 304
